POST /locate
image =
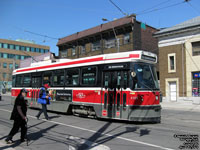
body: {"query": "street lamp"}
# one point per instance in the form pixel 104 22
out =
pixel 117 39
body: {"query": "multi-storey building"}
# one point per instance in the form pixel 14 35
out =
pixel 11 53
pixel 124 34
pixel 179 61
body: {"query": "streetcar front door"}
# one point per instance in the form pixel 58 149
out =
pixel 113 93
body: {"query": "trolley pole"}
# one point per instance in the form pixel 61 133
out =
pixel 116 38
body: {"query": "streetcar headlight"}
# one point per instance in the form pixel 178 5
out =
pixel 157 98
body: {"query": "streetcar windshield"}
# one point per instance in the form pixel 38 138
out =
pixel 145 77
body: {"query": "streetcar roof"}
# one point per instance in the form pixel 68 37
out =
pixel 92 60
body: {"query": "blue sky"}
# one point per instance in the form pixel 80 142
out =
pixel 59 18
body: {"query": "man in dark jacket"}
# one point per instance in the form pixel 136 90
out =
pixel 19 116
pixel 44 99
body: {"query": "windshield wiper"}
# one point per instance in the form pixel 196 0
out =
pixel 149 88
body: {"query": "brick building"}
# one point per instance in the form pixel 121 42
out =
pixel 179 61
pixel 124 34
pixel 11 53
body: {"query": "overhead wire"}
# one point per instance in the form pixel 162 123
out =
pixel 41 35
pixel 140 13
pixel 34 34
pixel 125 14
pixel 193 7
pixel 150 11
pixel 150 8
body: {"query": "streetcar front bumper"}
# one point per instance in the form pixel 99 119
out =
pixel 145 113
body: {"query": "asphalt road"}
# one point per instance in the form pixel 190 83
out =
pixel 63 132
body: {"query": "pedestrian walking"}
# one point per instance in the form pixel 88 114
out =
pixel 44 100
pixel 19 116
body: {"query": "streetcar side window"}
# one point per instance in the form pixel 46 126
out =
pixel 58 78
pixel 27 80
pixel 13 81
pixel 47 77
pixel 36 81
pixel 125 80
pixel 89 76
pixel 19 80
pixel 72 77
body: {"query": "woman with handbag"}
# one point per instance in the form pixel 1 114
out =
pixel 19 116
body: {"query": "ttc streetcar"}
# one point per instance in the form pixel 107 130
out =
pixel 121 86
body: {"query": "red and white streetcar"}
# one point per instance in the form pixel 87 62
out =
pixel 121 86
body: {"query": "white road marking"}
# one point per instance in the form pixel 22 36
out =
pixel 93 131
pixel 91 145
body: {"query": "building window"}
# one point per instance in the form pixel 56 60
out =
pixel 10 66
pixel 11 46
pixel 37 50
pixel 28 49
pixel 196 48
pixel 171 63
pixel 196 84
pixel 126 38
pixel 4 65
pixel 27 57
pixel 109 43
pixel 63 53
pixel 22 48
pixel 96 46
pixel 42 50
pixel 5 55
pixel 22 57
pixel 83 50
pixel 1 45
pixel 4 75
pixel 17 47
pixel 32 49
pixel 11 56
pixel 18 57
pixel 5 45
pixel 16 66
pixel 10 76
pixel 46 51
pixel 73 51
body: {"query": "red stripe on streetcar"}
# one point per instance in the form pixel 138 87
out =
pixel 134 55
pixel 77 62
pixel 63 64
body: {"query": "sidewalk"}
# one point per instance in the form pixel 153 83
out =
pixel 186 106
pixel 6 94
